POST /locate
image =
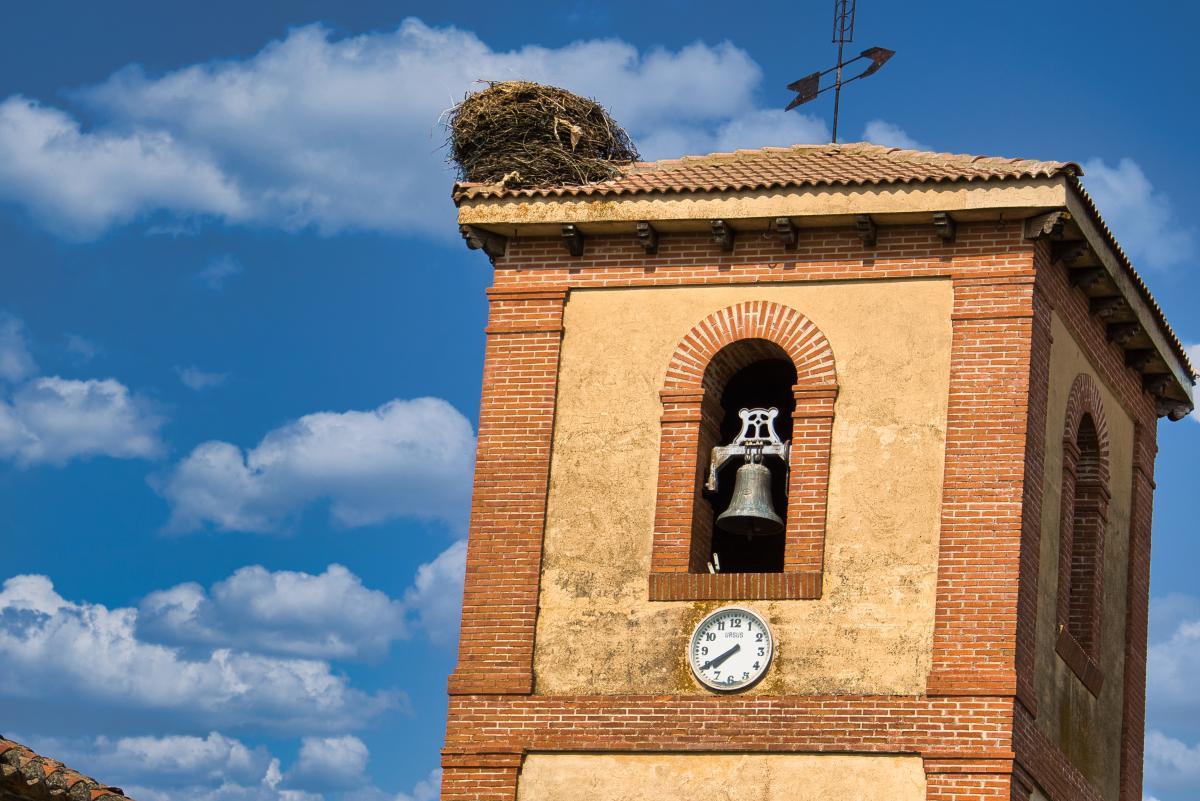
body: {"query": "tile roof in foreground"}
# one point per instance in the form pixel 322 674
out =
pixel 856 164
pixel 26 775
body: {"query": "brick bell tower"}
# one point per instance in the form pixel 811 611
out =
pixel 966 374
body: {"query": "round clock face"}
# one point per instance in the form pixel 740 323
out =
pixel 730 649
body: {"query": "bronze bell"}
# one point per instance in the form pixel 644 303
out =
pixel 750 511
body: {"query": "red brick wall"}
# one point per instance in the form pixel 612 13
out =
pixel 969 728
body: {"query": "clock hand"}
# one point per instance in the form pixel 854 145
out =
pixel 717 660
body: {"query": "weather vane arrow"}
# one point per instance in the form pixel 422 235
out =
pixel 809 87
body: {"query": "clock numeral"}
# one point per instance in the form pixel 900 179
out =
pixel 761 652
pixel 710 637
pixel 704 650
pixel 720 625
pixel 717 673
pixel 758 637
pixel 756 665
pixel 737 623
pixel 746 674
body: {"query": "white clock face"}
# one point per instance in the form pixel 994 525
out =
pixel 730 649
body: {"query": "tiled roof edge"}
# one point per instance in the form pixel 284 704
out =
pixel 1037 169
pixel 26 774
pixel 1134 276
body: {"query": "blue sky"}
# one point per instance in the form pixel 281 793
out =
pixel 234 298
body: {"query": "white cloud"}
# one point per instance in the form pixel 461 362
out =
pixel 327 616
pixel 885 133
pixel 1173 662
pixel 173 760
pixel 406 458
pixel 1141 217
pixel 331 615
pixel 436 594
pixel 89 657
pixel 78 183
pixel 51 420
pixel 428 789
pixel 217 767
pixel 218 271
pixel 341 133
pixel 16 362
pixel 1171 763
pixel 327 763
pixel 195 378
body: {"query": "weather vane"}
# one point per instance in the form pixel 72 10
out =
pixel 808 87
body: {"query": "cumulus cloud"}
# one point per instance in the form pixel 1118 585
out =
pixel 406 458
pixel 885 133
pixel 328 616
pixel 436 594
pixel 87 656
pixel 77 183
pixel 52 420
pixel 173 760
pixel 1173 662
pixel 329 763
pixel 1141 217
pixel 341 133
pixel 331 615
pixel 195 378
pixel 217 767
pixel 1171 764
pixel 427 789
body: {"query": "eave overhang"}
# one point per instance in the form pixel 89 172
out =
pixel 1058 204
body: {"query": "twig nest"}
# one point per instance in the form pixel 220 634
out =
pixel 522 134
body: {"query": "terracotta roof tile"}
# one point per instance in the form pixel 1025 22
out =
pixel 27 775
pixel 857 164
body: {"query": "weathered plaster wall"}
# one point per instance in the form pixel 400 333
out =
pixel 1086 728
pixel 872 630
pixel 728 777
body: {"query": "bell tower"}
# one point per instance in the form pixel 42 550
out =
pixel 809 473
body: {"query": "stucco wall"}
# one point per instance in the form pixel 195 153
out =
pixel 728 777
pixel 872 630
pixel 1087 728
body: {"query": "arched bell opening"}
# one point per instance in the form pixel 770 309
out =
pixel 745 375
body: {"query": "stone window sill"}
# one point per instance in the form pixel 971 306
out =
pixel 1077 659
pixel 735 586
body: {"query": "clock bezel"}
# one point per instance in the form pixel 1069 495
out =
pixel 691 649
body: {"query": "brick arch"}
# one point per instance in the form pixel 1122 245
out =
pixel 711 352
pixel 1085 400
pixel 1083 519
pixel 703 359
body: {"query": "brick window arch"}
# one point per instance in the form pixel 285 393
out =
pixel 1084 515
pixel 713 352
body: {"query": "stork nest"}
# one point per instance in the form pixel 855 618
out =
pixel 522 134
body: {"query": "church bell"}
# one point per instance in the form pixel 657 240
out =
pixel 750 511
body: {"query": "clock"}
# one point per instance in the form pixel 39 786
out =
pixel 730 649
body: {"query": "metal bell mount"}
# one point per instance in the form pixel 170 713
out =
pixel 750 511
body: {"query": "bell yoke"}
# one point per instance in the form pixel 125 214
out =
pixel 750 511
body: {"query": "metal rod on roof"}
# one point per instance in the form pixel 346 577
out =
pixel 808 87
